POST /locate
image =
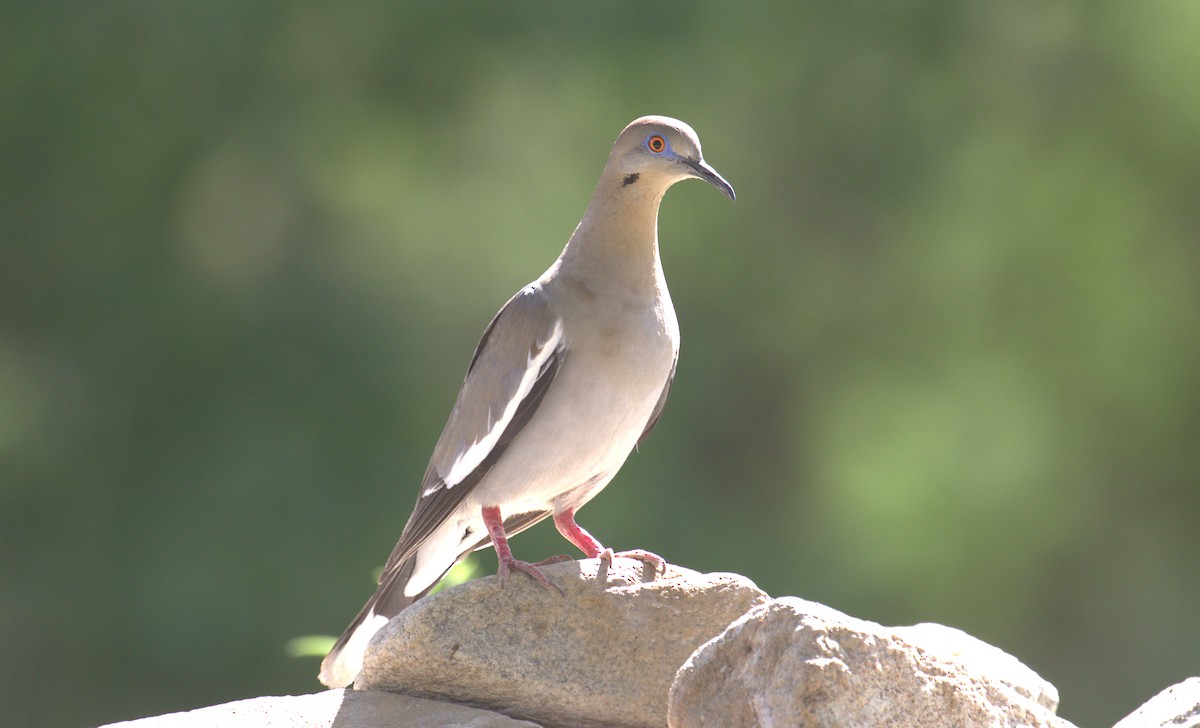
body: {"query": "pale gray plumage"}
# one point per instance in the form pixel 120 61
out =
pixel 568 378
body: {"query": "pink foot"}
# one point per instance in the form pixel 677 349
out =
pixel 508 564
pixel 654 562
pixel 573 532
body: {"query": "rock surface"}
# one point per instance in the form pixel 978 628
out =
pixel 792 662
pixel 332 709
pixel 603 654
pixel 608 653
pixel 1176 707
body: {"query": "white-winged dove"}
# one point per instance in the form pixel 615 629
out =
pixel 568 378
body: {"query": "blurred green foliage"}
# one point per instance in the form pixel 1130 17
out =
pixel 940 360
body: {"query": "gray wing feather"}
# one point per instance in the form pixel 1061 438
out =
pixel 658 406
pixel 504 351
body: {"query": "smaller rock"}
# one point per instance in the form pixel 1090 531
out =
pixel 604 653
pixel 332 709
pixel 1176 707
pixel 980 658
pixel 792 662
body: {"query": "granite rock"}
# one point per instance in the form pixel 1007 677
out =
pixel 1176 707
pixel 792 662
pixel 332 709
pixel 603 653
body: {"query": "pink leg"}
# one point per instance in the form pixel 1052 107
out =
pixel 495 527
pixel 587 543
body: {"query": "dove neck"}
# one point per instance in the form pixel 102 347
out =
pixel 618 235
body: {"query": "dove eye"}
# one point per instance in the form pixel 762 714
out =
pixel 656 144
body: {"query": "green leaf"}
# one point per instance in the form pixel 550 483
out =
pixel 313 645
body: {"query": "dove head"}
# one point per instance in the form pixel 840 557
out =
pixel 655 152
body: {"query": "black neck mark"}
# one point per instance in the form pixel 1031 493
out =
pixel 630 179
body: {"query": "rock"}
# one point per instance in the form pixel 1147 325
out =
pixel 792 662
pixel 979 658
pixel 332 709
pixel 1177 707
pixel 602 654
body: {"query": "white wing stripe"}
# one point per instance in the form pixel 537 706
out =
pixel 470 456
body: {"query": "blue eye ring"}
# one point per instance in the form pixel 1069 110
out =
pixel 657 144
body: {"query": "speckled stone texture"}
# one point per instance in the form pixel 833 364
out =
pixel 602 654
pixel 792 663
pixel 331 709
pixel 1176 707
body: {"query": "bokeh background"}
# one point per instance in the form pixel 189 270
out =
pixel 940 359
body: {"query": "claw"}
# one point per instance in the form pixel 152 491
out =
pixel 511 564
pixel 653 562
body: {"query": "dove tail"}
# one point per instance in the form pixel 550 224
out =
pixel 340 667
